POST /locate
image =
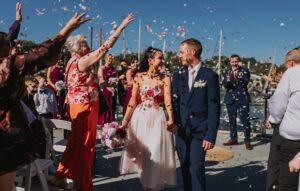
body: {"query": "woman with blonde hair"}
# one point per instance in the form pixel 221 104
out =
pixel 82 98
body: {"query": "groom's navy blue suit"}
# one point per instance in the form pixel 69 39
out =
pixel 197 113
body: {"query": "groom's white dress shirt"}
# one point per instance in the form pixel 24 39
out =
pixel 192 74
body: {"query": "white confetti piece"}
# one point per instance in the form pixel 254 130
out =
pixel 40 12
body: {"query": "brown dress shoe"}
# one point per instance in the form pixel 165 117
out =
pixel 230 142
pixel 248 145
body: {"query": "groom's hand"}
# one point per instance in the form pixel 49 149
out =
pixel 207 145
pixel 172 128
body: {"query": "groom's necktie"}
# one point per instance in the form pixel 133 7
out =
pixel 191 78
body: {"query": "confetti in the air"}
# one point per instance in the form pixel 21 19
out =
pixel 40 12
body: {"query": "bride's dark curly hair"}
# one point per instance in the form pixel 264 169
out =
pixel 149 53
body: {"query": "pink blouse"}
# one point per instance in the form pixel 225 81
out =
pixel 82 86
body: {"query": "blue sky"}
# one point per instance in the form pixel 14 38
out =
pixel 252 28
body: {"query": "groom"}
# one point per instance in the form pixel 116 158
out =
pixel 196 102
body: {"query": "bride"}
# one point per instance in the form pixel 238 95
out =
pixel 149 149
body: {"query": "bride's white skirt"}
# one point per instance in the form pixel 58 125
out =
pixel 149 149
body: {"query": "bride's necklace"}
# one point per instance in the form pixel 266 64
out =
pixel 152 74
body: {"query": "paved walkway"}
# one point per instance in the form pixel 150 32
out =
pixel 245 171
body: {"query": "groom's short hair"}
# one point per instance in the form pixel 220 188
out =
pixel 235 56
pixel 196 44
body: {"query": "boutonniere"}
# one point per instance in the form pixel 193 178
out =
pixel 181 71
pixel 200 84
pixel 240 74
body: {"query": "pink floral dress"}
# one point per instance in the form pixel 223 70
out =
pixel 82 86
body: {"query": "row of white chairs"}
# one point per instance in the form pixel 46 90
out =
pixel 40 167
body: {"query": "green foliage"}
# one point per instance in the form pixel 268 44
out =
pixel 118 58
pixel 65 55
pixel 172 62
pixel 256 67
pixel 26 46
pixel 281 68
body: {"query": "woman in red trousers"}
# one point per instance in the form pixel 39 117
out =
pixel 82 98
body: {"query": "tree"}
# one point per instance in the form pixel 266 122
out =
pixel 26 45
pixel 172 62
pixel 65 55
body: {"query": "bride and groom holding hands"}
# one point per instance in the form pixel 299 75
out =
pixel 192 101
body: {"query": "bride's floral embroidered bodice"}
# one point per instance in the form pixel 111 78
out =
pixel 151 95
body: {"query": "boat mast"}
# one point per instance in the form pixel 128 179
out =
pixel 124 44
pixel 101 42
pixel 269 74
pixel 139 40
pixel 91 37
pixel 220 54
pixel 164 45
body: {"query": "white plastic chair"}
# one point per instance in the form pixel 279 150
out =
pixel 37 167
pixel 60 125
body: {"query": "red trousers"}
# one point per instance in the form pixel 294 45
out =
pixel 77 160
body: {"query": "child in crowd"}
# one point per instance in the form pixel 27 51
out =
pixel 28 105
pixel 31 89
pixel 44 99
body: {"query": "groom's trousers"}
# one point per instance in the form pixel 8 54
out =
pixel 192 158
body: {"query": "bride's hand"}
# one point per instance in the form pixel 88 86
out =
pixel 127 20
pixel 124 124
pixel 170 123
pixel 172 127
